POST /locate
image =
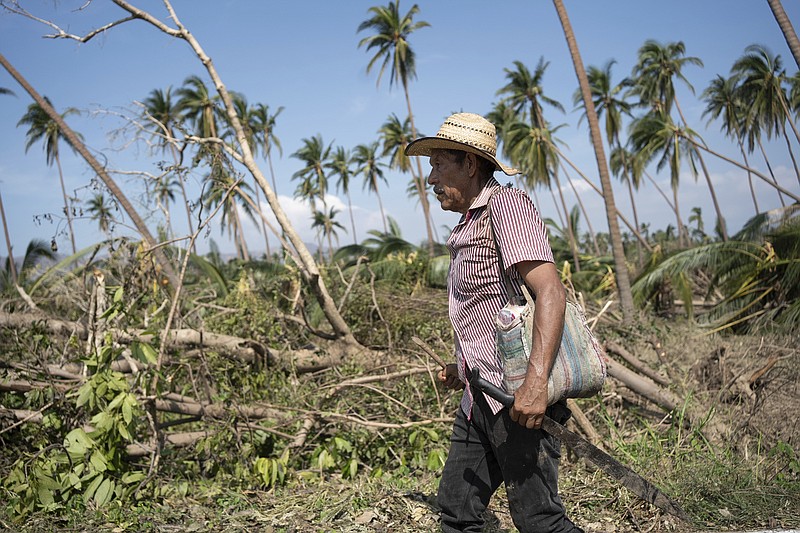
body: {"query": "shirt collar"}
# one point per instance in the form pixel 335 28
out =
pixel 486 193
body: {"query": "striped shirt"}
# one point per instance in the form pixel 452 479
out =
pixel 475 289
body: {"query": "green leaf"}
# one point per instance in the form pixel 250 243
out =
pixel 127 408
pixel 104 492
pixel 118 399
pixel 99 461
pixel 84 394
pixel 150 353
pixel 90 490
pixel 118 294
pixel 133 477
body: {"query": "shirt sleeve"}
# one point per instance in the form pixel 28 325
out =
pixel 520 231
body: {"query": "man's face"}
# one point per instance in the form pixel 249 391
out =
pixel 451 181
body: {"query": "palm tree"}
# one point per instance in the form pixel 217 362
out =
pixel 265 128
pixel 653 73
pixel 390 39
pixel 653 82
pixel 43 128
pixel 622 277
pixel 224 188
pixel 36 251
pixel 198 105
pixel 101 212
pixel 12 265
pixel 532 150
pixel 395 136
pixel 654 133
pixel 723 101
pixel 341 164
pixel 608 99
pixel 163 191
pixel 314 182
pixel 761 76
pixel 160 107
pixel 77 144
pixel 324 222
pixel 525 94
pixel 786 27
pixel 527 135
pixel 368 164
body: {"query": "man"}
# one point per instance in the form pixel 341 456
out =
pixel 491 445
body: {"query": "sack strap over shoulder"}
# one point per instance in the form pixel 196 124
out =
pixel 517 291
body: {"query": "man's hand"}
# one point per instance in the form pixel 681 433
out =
pixel 448 376
pixel 530 403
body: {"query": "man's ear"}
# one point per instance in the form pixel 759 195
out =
pixel 472 164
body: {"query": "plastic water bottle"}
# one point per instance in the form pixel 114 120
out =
pixel 505 317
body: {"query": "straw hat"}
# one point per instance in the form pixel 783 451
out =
pixel 463 131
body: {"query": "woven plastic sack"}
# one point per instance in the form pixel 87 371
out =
pixel 580 366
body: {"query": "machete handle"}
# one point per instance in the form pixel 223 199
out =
pixel 490 389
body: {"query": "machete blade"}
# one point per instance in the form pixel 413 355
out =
pixel 583 448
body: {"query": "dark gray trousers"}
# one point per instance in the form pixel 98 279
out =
pixel 491 449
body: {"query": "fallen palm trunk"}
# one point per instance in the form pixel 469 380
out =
pixel 643 386
pixel 637 365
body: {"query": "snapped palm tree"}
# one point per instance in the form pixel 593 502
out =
pixel 41 127
pixel 369 165
pixel 392 49
pixel 752 281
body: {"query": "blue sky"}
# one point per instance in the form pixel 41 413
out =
pixel 303 56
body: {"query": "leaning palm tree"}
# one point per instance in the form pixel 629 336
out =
pixel 78 145
pixel 724 102
pixel 786 27
pixel 609 101
pixel 341 164
pixel 653 81
pixel 761 79
pixel 618 252
pixel 12 270
pixel 43 128
pixel 368 163
pixel 392 49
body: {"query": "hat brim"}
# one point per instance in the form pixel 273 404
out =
pixel 424 145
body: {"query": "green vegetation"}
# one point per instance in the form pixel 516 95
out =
pixel 145 387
